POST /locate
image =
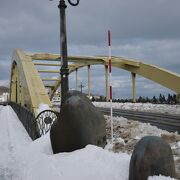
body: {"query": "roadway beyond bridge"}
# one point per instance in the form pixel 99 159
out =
pixel 167 122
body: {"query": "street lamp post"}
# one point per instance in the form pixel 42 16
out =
pixel 86 123
pixel 63 50
pixel 64 72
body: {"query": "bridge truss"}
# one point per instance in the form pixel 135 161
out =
pixel 28 89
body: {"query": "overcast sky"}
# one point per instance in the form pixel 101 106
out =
pixel 141 29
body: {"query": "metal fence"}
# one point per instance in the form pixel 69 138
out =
pixel 45 120
pixel 27 119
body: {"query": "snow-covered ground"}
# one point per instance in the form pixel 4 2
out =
pixel 24 159
pixel 127 133
pixel 148 107
pixel 43 107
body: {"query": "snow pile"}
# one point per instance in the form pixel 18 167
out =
pixel 148 107
pixel 23 159
pixel 13 139
pixel 127 133
pixel 89 163
pixel 160 178
pixel 43 107
pixel 128 129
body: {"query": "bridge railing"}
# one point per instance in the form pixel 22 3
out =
pixel 45 120
pixel 27 119
pixel 35 126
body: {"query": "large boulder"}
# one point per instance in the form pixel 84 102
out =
pixel 151 156
pixel 79 124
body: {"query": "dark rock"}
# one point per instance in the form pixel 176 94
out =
pixel 151 156
pixel 79 124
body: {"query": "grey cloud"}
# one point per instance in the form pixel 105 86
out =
pixel 4 83
pixel 127 20
pixel 5 68
pixel 143 30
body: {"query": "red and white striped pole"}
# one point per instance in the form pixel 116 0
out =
pixel 110 82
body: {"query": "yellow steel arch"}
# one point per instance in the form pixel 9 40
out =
pixel 14 83
pixel 159 75
pixel 27 87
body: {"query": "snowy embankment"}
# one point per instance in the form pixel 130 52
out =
pixel 147 107
pixel 127 133
pixel 23 159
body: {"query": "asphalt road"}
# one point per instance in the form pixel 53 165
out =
pixel 161 120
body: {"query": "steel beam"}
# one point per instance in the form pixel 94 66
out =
pixel 13 89
pixel 31 88
pixel 48 71
pixel 76 79
pixel 178 97
pixel 46 64
pixel 50 79
pixel 56 57
pixel 89 81
pixel 159 75
pixel 49 86
pixel 133 75
pixel 31 83
pixel 106 81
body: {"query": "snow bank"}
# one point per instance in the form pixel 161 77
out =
pixel 1 107
pixel 35 161
pixel 127 133
pixel 148 107
pixel 160 178
pixel 133 129
pixel 23 159
pixel 89 163
pixel 13 139
pixel 43 107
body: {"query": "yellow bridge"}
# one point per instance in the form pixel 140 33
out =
pixel 27 87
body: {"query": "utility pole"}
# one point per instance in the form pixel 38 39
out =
pixel 81 86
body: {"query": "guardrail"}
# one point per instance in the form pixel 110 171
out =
pixel 27 119
pixel 45 120
pixel 35 126
pixel 4 103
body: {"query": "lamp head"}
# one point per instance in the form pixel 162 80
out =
pixel 71 3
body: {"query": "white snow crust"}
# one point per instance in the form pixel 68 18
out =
pixel 42 107
pixel 24 159
pixel 160 178
pixel 148 107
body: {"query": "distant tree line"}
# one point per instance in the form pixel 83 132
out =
pixel 170 99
